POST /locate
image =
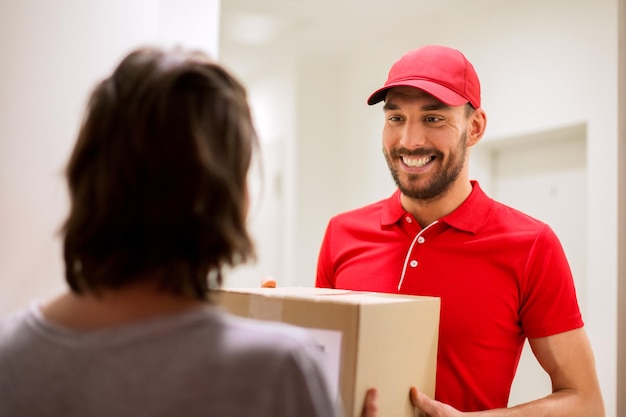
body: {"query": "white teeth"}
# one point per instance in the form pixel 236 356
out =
pixel 416 162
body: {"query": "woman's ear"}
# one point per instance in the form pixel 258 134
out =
pixel 477 124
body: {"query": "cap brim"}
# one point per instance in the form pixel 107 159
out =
pixel 440 92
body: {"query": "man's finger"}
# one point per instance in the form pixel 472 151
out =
pixel 370 407
pixel 418 401
pixel 268 282
pixel 414 394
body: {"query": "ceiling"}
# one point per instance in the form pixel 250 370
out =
pixel 252 30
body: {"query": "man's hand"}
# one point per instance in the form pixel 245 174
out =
pixel 429 407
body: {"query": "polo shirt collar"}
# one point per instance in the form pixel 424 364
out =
pixel 392 210
pixel 470 216
pixel 473 213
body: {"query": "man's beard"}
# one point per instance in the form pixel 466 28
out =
pixel 440 182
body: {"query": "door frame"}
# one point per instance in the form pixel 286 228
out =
pixel 621 220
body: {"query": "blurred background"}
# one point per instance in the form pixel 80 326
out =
pixel 549 73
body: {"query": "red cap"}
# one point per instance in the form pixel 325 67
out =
pixel 440 71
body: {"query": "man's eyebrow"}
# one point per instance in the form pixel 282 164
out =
pixel 390 106
pixel 436 105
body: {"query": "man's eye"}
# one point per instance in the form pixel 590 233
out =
pixel 433 119
pixel 394 118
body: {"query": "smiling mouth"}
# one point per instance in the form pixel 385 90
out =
pixel 415 162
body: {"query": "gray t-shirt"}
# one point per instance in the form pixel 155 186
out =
pixel 198 363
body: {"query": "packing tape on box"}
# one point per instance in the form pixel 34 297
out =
pixel 266 308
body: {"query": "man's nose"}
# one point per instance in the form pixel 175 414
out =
pixel 413 135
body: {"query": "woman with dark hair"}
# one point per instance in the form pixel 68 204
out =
pixel 157 181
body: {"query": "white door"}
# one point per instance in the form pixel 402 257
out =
pixel 543 175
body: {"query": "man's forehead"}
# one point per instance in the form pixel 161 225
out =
pixel 409 91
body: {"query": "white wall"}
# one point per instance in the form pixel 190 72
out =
pixel 543 64
pixel 273 212
pixel 52 54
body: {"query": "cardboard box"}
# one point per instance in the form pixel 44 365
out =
pixel 377 340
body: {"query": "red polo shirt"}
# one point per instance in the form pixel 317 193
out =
pixel 501 275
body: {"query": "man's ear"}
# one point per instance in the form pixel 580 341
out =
pixel 477 124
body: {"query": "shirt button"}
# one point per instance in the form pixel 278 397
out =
pixel 408 219
pixel 421 239
pixel 413 263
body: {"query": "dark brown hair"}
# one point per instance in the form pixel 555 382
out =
pixel 158 176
